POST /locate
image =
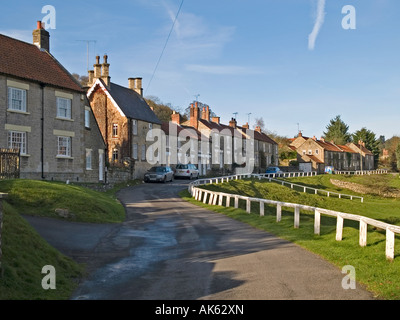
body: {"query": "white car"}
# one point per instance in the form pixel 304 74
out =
pixel 186 171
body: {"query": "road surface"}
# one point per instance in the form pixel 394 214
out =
pixel 168 249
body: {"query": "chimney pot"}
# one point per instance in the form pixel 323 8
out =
pixel 41 37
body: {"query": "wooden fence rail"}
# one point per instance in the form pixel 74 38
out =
pixel 305 188
pixel 217 198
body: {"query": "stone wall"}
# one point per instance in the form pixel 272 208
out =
pixel 386 192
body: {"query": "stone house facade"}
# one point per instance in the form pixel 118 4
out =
pixel 44 112
pixel 222 159
pixel 125 120
pixel 321 153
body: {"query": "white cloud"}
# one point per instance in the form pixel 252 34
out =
pixel 319 21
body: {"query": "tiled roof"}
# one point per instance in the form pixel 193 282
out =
pixel 26 61
pixel 132 104
pixel 219 126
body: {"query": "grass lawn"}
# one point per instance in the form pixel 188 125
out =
pixel 372 269
pixel 42 198
pixel 25 252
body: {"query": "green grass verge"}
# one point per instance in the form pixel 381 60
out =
pixel 24 255
pixel 372 269
pixel 25 252
pixel 42 198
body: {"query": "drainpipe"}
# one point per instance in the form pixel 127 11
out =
pixel 42 86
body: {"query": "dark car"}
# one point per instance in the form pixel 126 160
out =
pixel 159 174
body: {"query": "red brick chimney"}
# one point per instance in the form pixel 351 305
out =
pixel 207 113
pixel 215 119
pixel 194 116
pixel 233 123
pixel 41 37
pixel 176 118
pixel 258 129
pixel 246 126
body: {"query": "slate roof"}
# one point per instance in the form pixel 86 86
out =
pixel 26 61
pixel 132 104
pixel 257 135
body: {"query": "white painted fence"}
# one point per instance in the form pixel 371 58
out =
pixel 305 188
pixel 217 198
pixel 362 172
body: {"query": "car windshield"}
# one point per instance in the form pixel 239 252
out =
pixel 157 169
pixel 182 166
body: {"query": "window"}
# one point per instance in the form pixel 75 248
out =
pixel 64 147
pixel 135 151
pixel 88 159
pixel 143 152
pixel 115 155
pixel 16 99
pixel 63 108
pixel 87 118
pixel 17 140
pixel 115 130
pixel 310 152
pixel 316 151
pixel 304 152
pixel 134 127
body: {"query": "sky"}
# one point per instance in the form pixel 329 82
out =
pixel 293 63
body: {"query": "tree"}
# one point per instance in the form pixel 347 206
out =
pixel 259 122
pixel 369 138
pixel 163 111
pixel 337 131
pixel 83 80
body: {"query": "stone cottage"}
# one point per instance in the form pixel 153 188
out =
pixel 125 119
pixel 45 114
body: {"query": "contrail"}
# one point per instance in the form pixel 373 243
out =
pixel 318 24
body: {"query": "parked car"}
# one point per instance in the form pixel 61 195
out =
pixel 275 170
pixel 159 174
pixel 187 171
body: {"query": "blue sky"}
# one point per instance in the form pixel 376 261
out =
pixel 240 56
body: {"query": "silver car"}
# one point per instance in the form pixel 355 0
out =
pixel 159 174
pixel 187 171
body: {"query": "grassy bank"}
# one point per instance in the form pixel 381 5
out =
pixel 25 252
pixel 42 198
pixel 372 269
pixel 24 255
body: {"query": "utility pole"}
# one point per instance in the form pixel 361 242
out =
pixel 248 118
pixel 235 114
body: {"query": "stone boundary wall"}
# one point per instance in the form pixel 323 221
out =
pixel 359 188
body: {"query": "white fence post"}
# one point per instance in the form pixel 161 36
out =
pixel 296 217
pixel 248 205
pixel 389 244
pixel 339 228
pixel 261 208
pixel 205 197
pixel 221 197
pixel 236 202
pixel 363 233
pixel 317 222
pixel 278 213
pixel 228 201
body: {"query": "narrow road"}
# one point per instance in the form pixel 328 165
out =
pixel 170 249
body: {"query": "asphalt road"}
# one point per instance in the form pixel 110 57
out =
pixel 168 249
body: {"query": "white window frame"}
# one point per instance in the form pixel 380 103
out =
pixel 135 151
pixel 89 157
pixel 64 111
pixel 115 155
pixel 17 140
pixel 115 130
pixel 64 142
pixel 87 118
pixel 21 98
pixel 134 127
pixel 143 152
pixel 150 130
